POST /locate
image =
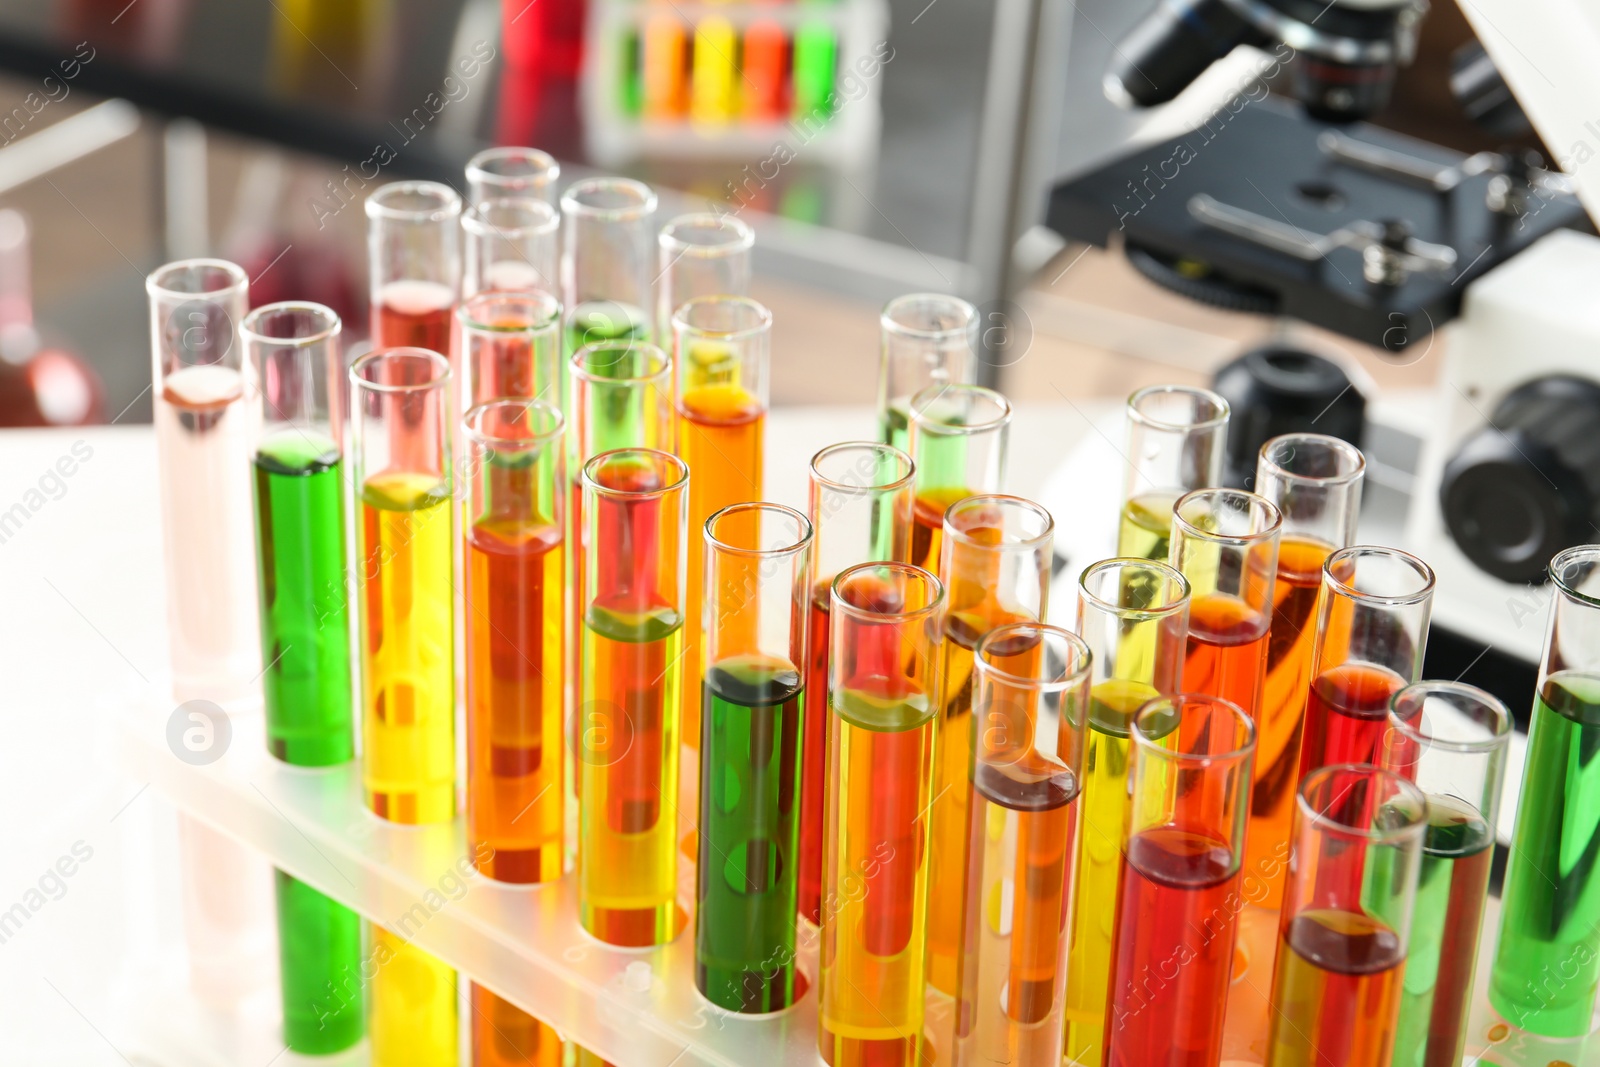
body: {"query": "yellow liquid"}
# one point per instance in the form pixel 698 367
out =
pixel 413 1015
pixel 1146 528
pixel 407 666
pixel 1104 806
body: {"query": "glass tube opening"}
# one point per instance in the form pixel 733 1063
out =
pixel 1177 408
pixel 956 410
pixel 888 592
pixel 609 199
pixel 511 171
pixel 1194 731
pixel 1135 589
pixel 511 219
pixel 195 277
pixel 1226 516
pixel 928 317
pixel 290 324
pixel 862 467
pixel 635 473
pixel 414 202
pixel 1576 573
pixel 626 361
pixel 509 311
pixel 1360 802
pixel 997 522
pixel 722 318
pixel 1311 458
pixel 1379 575
pixel 758 530
pixel 400 370
pixel 514 426
pixel 706 236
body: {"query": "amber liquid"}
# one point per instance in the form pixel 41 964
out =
pixel 927 525
pixel 1336 992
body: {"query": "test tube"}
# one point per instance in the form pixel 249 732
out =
pixel 295 368
pixel 414 257
pixel 995 566
pixel 1030 707
pixel 204 430
pixel 757 558
pixel 925 339
pixel 1451 740
pixel 1316 483
pixel 512 172
pixel 503 1035
pixel 510 244
pixel 883 693
pixel 1134 616
pixel 720 356
pixel 508 346
pixel 958 442
pixel 605 261
pixel 1547 964
pixel 1177 910
pixel 1177 435
pixel 713 86
pixel 402 455
pixel 1346 918
pixel 859 503
pixel 633 513
pixel 414 1014
pixel 515 638
pixel 700 255
pixel 1372 625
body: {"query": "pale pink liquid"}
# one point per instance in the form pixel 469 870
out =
pixel 412 314
pixel 228 915
pixel 203 437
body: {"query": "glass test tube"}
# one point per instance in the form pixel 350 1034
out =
pixel 1547 964
pixel 720 357
pixel 859 503
pixel 503 1035
pixel 1134 616
pixel 1177 435
pixel 1451 740
pixel 1030 709
pixel 958 442
pixel 1346 918
pixel 509 171
pixel 701 255
pixel 1315 481
pixel 515 637
pixel 606 261
pixel 627 740
pixel 883 694
pixel 925 339
pixel 414 260
pixel 995 567
pixel 295 369
pixel 1177 910
pixel 510 244
pixel 1372 625
pixel 507 346
pixel 204 430
pixel 757 558
pixel 402 453
pixel 414 1018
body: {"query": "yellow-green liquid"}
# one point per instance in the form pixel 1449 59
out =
pixel 1146 528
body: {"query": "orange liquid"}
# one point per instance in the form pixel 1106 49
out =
pixel 1283 713
pixel 1227 653
pixel 721 430
pixel 927 525
pixel 503 1035
pixel 1336 993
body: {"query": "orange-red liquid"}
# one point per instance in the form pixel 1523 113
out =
pixel 814 762
pixel 1227 653
pixel 927 525
pixel 1347 715
pixel 413 314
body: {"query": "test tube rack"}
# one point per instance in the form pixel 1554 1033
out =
pixel 763 82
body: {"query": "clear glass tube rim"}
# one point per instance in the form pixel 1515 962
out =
pixel 546 314
pixel 1564 562
pixel 1499 716
pixel 1005 502
pixel 743 238
pixel 329 329
pixel 542 165
pixel 962 309
pixel 157 286
pixel 1345 589
pixel 1219 407
pixel 476 221
pixel 1077 675
pixel 1170 577
pixel 910 570
pixel 660 362
pixel 436 363
pixel 1347 452
pixel 1416 819
pixel 1176 702
pixel 551 425
pixel 666 460
pixel 641 205
pixel 759 318
pixel 1258 505
pixel 803 531
pixel 924 398
pixel 446 202
pixel 903 463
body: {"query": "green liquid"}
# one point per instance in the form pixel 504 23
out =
pixel 1146 528
pixel 894 425
pixel 597 321
pixel 305 617
pixel 1547 964
pixel 319 953
pixel 749 827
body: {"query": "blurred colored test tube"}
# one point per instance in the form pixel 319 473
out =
pixel 884 701
pixel 507 345
pixel 1030 707
pixel 414 264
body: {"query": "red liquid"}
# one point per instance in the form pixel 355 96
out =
pixel 1346 715
pixel 814 763
pixel 1458 956
pixel 1174 940
pixel 503 365
pixel 1336 992
pixel 927 525
pixel 412 314
pixel 1227 654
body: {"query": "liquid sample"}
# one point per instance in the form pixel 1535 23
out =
pixel 1336 989
pixel 814 762
pixel 413 1018
pixel 509 364
pixel 927 524
pixel 514 654
pixel 749 794
pixel 1145 531
pixel 413 314
pixel 319 968
pixel 407 668
pixel 595 321
pixel 1443 951
pixel 1227 652
pixel 1175 933
pixel 305 615
pixel 1347 715
pixel 503 1035
pixel 203 435
pixel 1283 713
pixel 1547 964
pixel 894 425
pixel 1112 705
